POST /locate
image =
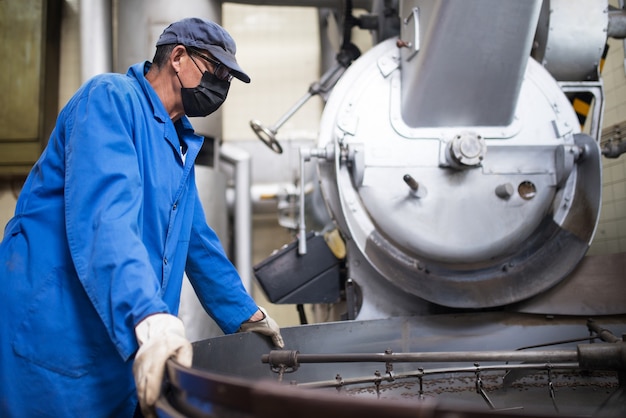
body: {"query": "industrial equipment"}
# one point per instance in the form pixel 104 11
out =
pixel 464 194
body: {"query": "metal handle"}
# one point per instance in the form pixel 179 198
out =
pixel 268 135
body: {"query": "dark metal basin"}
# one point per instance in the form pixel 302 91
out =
pixel 230 379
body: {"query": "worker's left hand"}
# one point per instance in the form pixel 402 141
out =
pixel 266 326
pixel 160 336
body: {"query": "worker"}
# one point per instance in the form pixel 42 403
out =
pixel 107 222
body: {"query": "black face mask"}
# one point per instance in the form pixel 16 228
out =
pixel 206 98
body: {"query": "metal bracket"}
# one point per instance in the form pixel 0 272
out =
pixel 551 388
pixel 479 387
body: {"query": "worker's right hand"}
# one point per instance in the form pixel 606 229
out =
pixel 266 326
pixel 160 336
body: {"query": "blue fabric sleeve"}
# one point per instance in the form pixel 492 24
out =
pixel 214 278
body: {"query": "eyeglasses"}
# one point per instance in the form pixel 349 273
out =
pixel 219 70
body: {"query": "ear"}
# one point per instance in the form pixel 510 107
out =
pixel 177 53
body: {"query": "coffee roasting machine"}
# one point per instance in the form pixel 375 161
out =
pixel 463 190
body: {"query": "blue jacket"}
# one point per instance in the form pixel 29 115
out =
pixel 107 222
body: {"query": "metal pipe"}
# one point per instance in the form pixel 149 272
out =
pixel 284 357
pixel 241 161
pixel 617 24
pixel 95 38
pixel 428 372
pixel 305 155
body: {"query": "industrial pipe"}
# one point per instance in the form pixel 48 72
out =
pixel 288 358
pixel 617 24
pixel 390 377
pixel 241 161
pixel 95 38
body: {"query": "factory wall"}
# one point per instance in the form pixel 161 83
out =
pixel 610 235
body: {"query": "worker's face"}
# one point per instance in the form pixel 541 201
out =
pixel 211 83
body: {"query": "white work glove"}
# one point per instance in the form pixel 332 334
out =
pixel 266 326
pixel 160 336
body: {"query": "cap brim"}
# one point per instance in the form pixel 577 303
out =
pixel 229 61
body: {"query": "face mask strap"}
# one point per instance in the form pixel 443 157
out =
pixel 196 64
pixel 179 80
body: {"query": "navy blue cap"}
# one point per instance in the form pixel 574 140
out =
pixel 207 35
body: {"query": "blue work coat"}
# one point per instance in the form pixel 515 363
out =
pixel 107 222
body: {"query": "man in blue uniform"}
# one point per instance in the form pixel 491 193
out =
pixel 109 218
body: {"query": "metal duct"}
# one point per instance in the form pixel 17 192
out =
pixel 95 38
pixel 617 24
pixel 464 62
pixel 570 38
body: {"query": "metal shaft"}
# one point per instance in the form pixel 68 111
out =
pixel 430 372
pixel 292 358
